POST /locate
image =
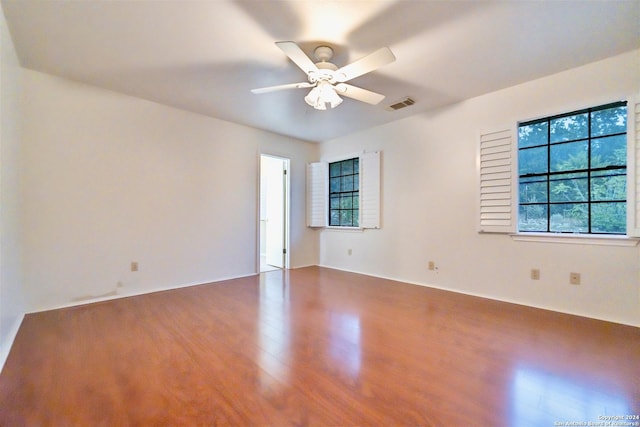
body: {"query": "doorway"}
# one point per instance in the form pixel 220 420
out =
pixel 274 213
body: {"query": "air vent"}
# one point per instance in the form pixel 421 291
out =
pixel 401 104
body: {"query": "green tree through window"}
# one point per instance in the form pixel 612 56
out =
pixel 572 172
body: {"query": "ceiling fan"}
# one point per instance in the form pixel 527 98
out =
pixel 327 80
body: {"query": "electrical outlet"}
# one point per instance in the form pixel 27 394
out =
pixel 432 265
pixel 535 274
pixel 574 278
pixel 349 252
pixel 134 266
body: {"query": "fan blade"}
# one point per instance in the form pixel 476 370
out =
pixel 380 57
pixel 358 93
pixel 282 87
pixel 296 54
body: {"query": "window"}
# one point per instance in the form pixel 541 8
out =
pixel 572 172
pixel 344 194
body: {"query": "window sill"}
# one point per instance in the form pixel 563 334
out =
pixel 347 229
pixel 576 239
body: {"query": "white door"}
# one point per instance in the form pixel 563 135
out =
pixel 273 183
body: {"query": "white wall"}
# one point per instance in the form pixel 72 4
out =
pixel 429 204
pixel 11 295
pixel 110 179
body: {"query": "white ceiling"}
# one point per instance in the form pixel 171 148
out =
pixel 205 56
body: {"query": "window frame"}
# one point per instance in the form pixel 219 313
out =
pixel 496 197
pixel 369 191
pixel 548 177
pixel 355 188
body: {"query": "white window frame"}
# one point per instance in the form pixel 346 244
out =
pixel 369 191
pixel 497 168
pixel 633 166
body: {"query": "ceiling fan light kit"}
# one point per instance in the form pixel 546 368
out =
pixel 321 95
pixel 326 79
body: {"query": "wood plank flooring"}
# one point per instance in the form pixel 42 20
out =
pixel 315 346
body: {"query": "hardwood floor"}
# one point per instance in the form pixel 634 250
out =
pixel 316 346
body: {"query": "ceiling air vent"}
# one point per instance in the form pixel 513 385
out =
pixel 401 104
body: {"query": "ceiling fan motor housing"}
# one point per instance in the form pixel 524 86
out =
pixel 323 53
pixel 325 68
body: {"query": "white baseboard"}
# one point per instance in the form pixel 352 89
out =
pixel 305 266
pixel 133 294
pixel 5 348
pixel 491 297
pixel 480 295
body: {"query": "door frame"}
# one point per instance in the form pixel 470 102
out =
pixel 287 207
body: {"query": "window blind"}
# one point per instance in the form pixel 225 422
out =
pixel 317 194
pixel 496 172
pixel 370 190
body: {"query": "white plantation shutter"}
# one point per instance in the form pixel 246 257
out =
pixel 497 171
pixel 370 190
pixel 317 194
pixel 633 166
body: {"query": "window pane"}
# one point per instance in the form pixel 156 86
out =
pixel 334 185
pixel 570 217
pixel 346 202
pixel 334 217
pixel 568 157
pixel 609 121
pixel 343 193
pixel 532 160
pixel 347 167
pixel 347 183
pixel 608 185
pixel 532 218
pixel 356 220
pixel 609 218
pixel 346 218
pixel 533 190
pixel 334 169
pixel 569 187
pixel 569 128
pixel 609 151
pixel 532 135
